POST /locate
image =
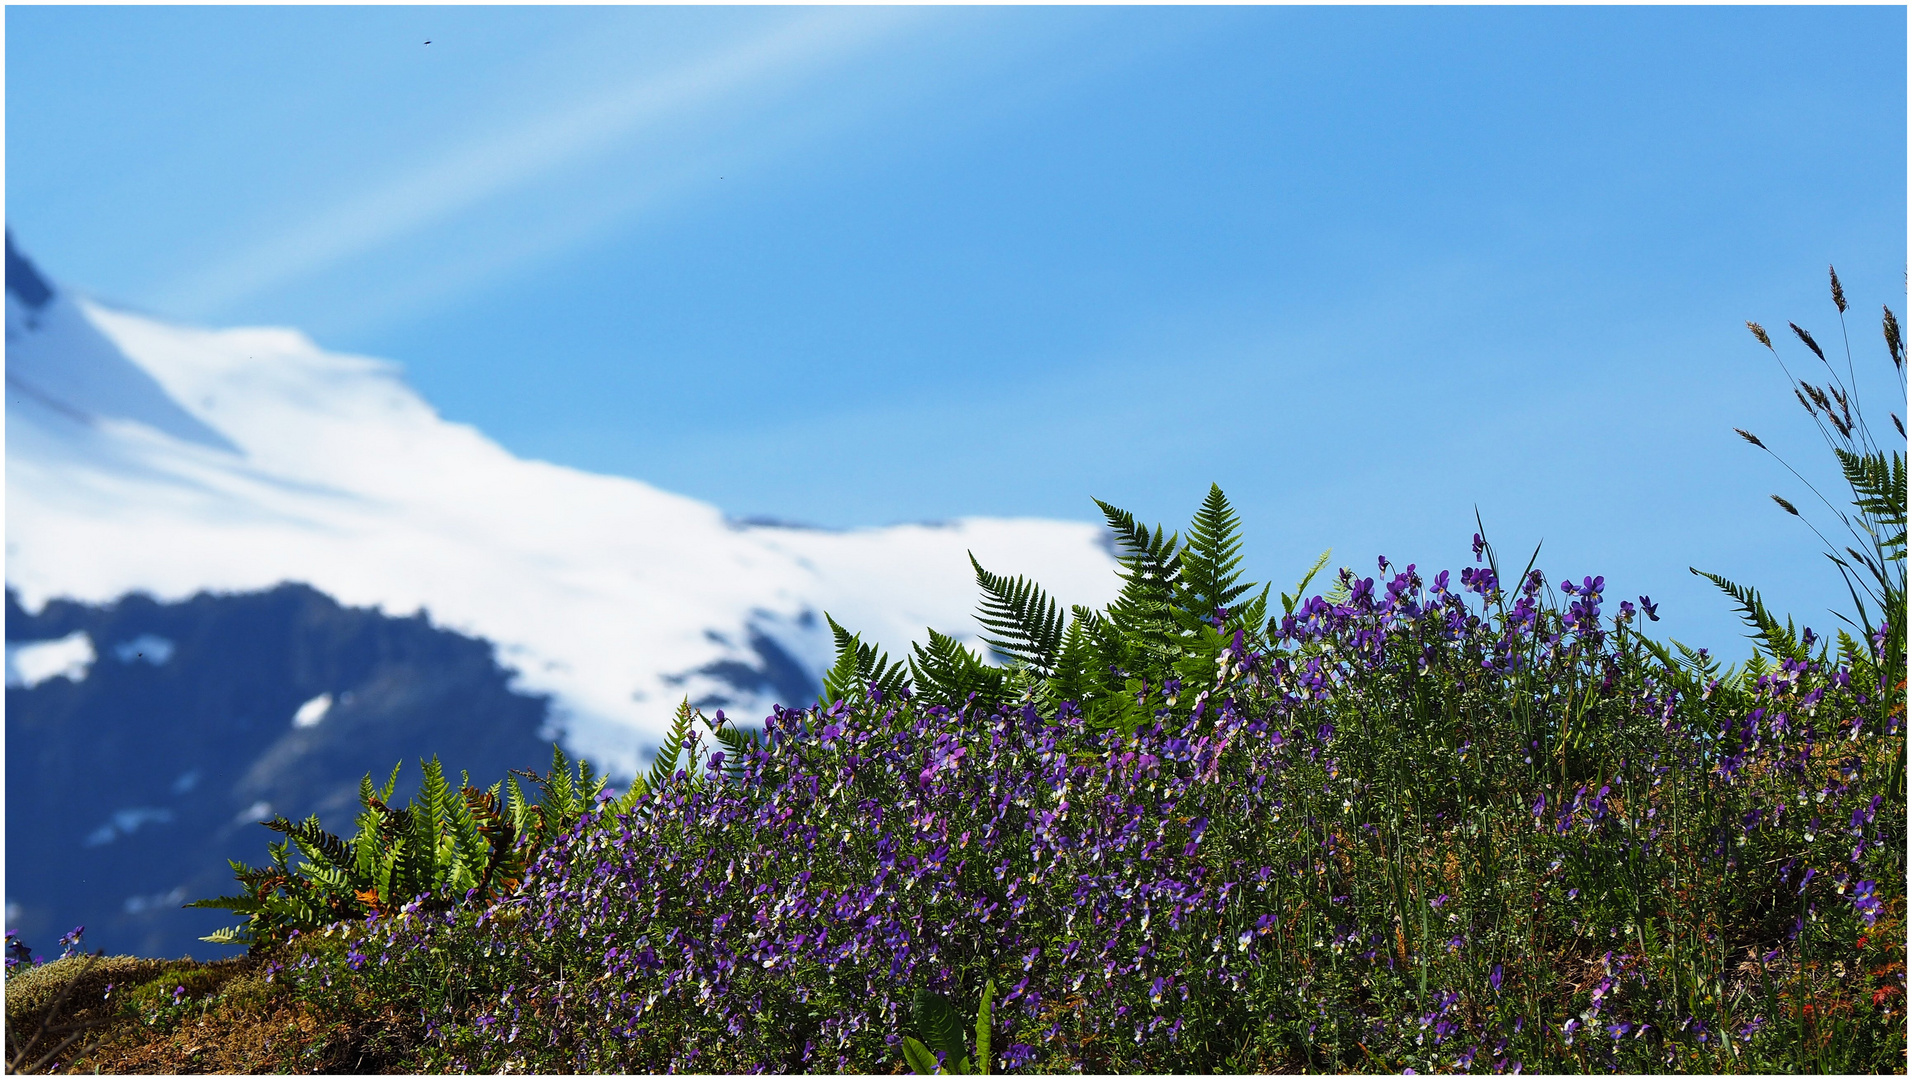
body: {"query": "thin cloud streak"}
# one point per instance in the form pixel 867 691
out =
pixel 476 173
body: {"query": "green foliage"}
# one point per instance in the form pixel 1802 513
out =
pixel 1781 640
pixel 1288 602
pixel 1026 621
pixel 444 846
pixel 942 1030
pixel 1158 645
pixel 859 666
pixel 1211 569
pixel 739 747
pixel 946 673
pixel 1872 564
pixel 664 765
pixel 1484 835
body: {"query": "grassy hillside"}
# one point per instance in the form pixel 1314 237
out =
pixel 1418 821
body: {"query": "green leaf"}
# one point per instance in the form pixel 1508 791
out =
pixel 1780 641
pixel 1211 561
pixel 983 1024
pixel 314 842
pixel 860 668
pixel 940 1025
pixel 1028 624
pixel 738 747
pixel 1144 610
pixel 1301 590
pixel 231 935
pixel 945 673
pixel 921 1061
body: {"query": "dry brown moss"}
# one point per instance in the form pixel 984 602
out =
pixel 230 1019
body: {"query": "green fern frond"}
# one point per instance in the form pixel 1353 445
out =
pixel 517 809
pixel 231 935
pixel 560 795
pixel 1211 559
pixel 1288 602
pixel 1781 641
pixel 945 673
pixel 1878 489
pixel 664 765
pixel 1340 592
pixel 242 904
pixel 1145 611
pixel 1086 665
pixel 1150 556
pixel 1028 624
pixel 391 784
pixel 738 747
pixel 321 847
pixel 858 668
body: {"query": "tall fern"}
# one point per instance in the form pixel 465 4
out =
pixel 1154 647
pixel 664 764
pixel 1211 568
pixel 1144 611
pixel 1028 624
pixel 859 668
pixel 945 673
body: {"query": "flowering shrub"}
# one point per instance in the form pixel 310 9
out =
pixel 1427 828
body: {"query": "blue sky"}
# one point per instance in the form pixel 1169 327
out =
pixel 1367 268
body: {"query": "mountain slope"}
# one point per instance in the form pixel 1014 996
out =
pixel 149 757
pixel 148 457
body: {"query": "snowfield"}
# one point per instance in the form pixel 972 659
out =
pixel 144 456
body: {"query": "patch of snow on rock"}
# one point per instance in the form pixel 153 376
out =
pixel 30 663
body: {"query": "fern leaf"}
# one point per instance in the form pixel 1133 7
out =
pixel 516 808
pixel 1152 555
pixel 1145 610
pixel 664 765
pixel 391 784
pixel 739 747
pixel 240 905
pixel 1301 590
pixel 1782 641
pixel 1211 560
pixel 945 673
pixel 860 667
pixel 435 800
pixel 1878 489
pixel 560 795
pixel 389 873
pixel 1028 622
pixel 317 845
pixel 470 852
pixel 840 681
pixel 231 935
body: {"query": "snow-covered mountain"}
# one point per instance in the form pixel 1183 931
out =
pixel 149 457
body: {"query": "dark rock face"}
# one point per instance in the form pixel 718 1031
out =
pixel 23 280
pixel 128 789
pixel 776 673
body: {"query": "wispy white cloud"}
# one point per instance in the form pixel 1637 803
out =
pixel 461 180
